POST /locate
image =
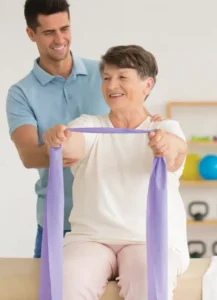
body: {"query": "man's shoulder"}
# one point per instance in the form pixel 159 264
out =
pixel 24 83
pixel 92 65
pixel 90 62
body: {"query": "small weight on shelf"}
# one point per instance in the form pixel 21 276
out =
pixel 214 248
pixel 197 253
pixel 199 216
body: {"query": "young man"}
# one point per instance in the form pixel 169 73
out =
pixel 59 88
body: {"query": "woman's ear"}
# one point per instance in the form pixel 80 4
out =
pixel 148 85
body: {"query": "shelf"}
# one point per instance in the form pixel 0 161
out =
pixel 192 103
pixel 202 143
pixel 170 105
pixel 204 222
pixel 198 183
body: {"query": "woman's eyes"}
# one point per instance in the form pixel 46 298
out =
pixel 121 77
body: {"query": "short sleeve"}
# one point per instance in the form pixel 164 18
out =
pixel 172 126
pixel 18 111
pixel 86 121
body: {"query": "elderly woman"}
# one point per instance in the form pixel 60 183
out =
pixel 111 178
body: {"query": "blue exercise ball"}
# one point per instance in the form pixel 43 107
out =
pixel 207 167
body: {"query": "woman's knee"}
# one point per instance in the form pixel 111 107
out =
pixel 132 272
pixel 132 278
pixel 86 271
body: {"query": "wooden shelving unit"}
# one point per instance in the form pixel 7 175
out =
pixel 196 143
pixel 202 143
pixel 170 105
pixel 169 109
pixel 204 222
pixel 198 183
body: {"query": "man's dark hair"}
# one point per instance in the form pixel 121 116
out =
pixel 33 8
pixel 133 57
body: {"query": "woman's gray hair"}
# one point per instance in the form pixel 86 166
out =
pixel 133 57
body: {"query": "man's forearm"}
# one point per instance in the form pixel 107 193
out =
pixel 35 157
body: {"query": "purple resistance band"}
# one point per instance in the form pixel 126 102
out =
pixel 51 269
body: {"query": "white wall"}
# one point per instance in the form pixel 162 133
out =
pixel 181 34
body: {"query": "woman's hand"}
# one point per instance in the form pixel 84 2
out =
pixel 159 141
pixel 171 147
pixel 73 143
pixel 56 135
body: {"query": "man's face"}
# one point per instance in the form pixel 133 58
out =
pixel 52 36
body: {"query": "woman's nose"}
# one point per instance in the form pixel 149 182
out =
pixel 113 83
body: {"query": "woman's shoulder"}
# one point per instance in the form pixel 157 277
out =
pixel 168 125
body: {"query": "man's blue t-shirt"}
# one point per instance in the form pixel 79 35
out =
pixel 43 100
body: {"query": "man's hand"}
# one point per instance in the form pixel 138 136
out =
pixel 56 136
pixel 157 118
pixel 159 141
pixel 67 162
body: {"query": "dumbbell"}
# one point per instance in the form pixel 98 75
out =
pixel 197 253
pixel 199 216
pixel 214 248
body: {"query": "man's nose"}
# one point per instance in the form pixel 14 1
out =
pixel 59 39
